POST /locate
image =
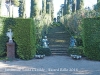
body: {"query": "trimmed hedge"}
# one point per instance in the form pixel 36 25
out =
pixel 91 38
pixel 3 37
pixel 23 35
pixel 75 51
pixel 43 51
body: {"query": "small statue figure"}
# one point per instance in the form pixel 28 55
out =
pixel 45 42
pixel 72 42
pixel 10 34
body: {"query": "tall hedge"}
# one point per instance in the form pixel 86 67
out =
pixel 3 38
pixel 23 35
pixel 91 38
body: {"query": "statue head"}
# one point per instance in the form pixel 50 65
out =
pixel 45 37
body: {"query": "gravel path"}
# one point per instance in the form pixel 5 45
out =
pixel 52 65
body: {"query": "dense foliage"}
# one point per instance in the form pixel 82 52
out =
pixel 3 37
pixel 75 51
pixel 23 35
pixel 43 51
pixel 91 38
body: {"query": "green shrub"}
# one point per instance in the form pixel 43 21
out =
pixel 23 35
pixel 75 50
pixel 3 37
pixel 91 38
pixel 43 51
pixel 79 42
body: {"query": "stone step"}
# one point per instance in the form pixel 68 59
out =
pixel 57 36
pixel 58 39
pixel 59 53
pixel 54 34
pixel 58 49
pixel 58 45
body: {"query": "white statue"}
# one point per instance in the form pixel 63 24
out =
pixel 45 42
pixel 10 34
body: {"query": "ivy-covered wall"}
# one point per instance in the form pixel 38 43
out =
pixel 23 35
pixel 91 38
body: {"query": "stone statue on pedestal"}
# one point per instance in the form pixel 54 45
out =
pixel 72 42
pixel 10 34
pixel 10 46
pixel 45 42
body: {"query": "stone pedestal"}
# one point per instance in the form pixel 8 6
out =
pixel 10 50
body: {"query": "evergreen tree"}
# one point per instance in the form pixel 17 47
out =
pixel 48 6
pixel 68 6
pixel 52 10
pixel 34 8
pixel 73 5
pixel 21 9
pixel 0 7
pixel 98 1
pixel 80 4
pixel 65 7
pixel 24 9
pixel 15 2
pixel 44 6
pixel 98 5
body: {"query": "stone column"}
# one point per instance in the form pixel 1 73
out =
pixel 10 50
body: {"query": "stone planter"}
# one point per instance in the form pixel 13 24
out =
pixel 76 56
pixel 39 56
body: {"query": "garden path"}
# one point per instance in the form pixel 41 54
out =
pixel 52 65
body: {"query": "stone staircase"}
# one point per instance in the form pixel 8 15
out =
pixel 59 40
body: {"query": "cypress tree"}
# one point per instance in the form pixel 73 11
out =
pixel 98 5
pixel 24 8
pixel 73 5
pixel 0 7
pixel 21 8
pixel 52 10
pixel 68 6
pixel 34 8
pixel 15 2
pixel 80 4
pixel 48 6
pixel 44 6
pixel 65 7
